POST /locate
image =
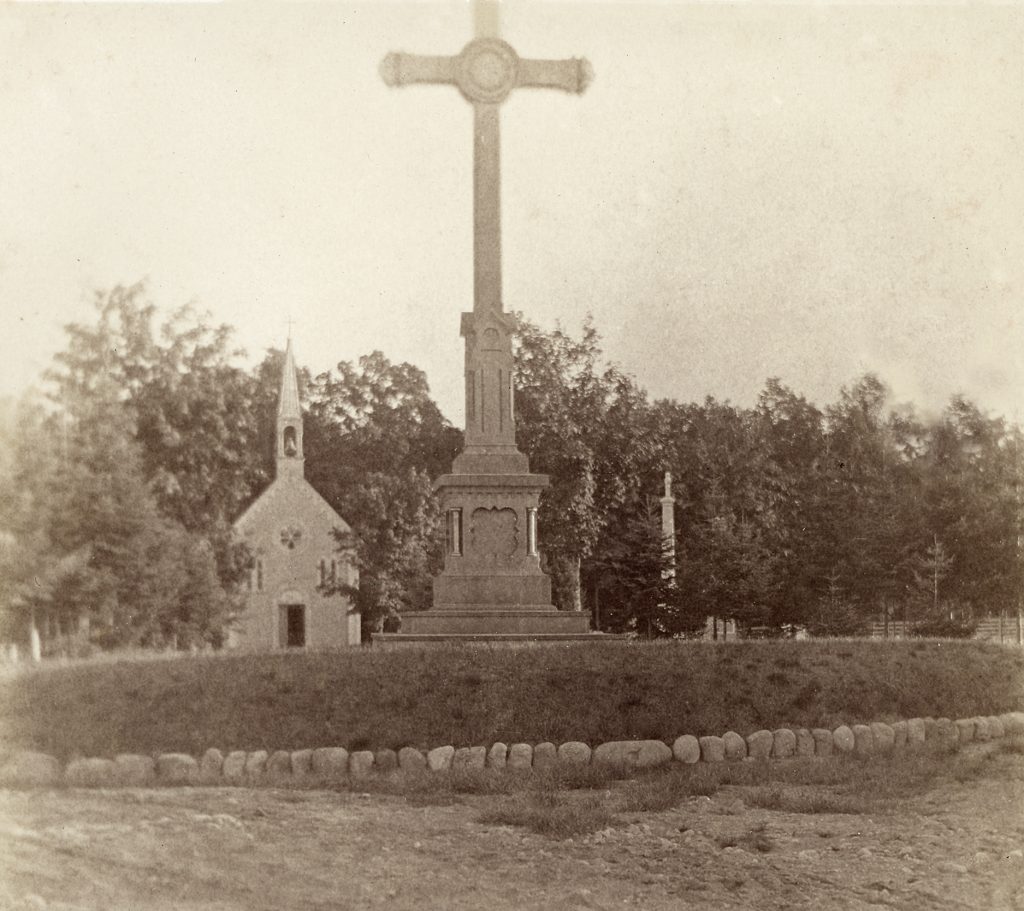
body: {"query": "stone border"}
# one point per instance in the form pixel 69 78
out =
pixel 27 769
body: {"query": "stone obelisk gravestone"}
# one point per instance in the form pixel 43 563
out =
pixel 668 527
pixel 492 586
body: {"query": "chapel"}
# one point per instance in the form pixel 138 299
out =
pixel 289 530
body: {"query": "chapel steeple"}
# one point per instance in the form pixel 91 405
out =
pixel 289 459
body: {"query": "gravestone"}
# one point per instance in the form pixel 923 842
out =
pixel 492 587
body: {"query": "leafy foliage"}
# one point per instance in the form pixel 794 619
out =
pixel 374 442
pixel 118 492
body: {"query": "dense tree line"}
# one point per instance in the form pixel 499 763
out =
pixel 787 514
pixel 118 489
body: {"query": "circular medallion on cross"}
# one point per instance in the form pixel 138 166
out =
pixel 487 70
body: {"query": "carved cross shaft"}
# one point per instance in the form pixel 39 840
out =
pixel 486 72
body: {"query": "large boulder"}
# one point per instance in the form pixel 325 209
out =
pixel 712 749
pixel 330 762
pixel 843 740
pixel 783 743
pixel 29 769
pixel 965 727
pixel 545 756
pixel 981 728
pixel 804 742
pixel 574 752
pixel 884 736
pixel 439 759
pixel 823 741
pixel 864 740
pixel 302 763
pixel 411 760
pixel 1013 723
pixel 360 763
pixel 279 765
pixel 899 730
pixel 497 756
pixel 915 732
pixel 177 768
pixel 996 727
pixel 686 749
pixel 930 728
pixel 211 766
pixel 255 765
pixel 735 746
pixel 472 759
pixel 520 756
pixel 135 770
pixel 385 761
pixel 759 744
pixel 633 754
pixel 91 773
pixel 233 769
pixel 946 732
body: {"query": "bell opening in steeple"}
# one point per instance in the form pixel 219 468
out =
pixel 291 446
pixel 289 419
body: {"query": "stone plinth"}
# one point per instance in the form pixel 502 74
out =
pixel 492 588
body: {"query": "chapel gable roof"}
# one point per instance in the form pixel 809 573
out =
pixel 288 492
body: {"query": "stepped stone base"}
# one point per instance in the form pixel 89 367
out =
pixel 510 640
pixel 529 620
pixel 522 625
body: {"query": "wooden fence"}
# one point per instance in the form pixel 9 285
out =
pixel 1008 628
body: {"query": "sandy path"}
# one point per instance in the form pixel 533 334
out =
pixel 212 849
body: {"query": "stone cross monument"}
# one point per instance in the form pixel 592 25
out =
pixel 492 586
pixel 668 526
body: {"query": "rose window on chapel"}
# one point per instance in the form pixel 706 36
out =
pixel 290 536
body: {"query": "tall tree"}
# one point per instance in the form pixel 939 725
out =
pixel 792 432
pixel 858 533
pixel 374 442
pixel 578 421
pixel 91 550
pixel 971 472
pixel 191 409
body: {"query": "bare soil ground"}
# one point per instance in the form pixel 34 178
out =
pixel 957 846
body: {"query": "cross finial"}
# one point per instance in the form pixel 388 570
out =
pixel 486 18
pixel 486 71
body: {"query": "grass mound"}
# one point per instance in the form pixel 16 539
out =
pixel 370 699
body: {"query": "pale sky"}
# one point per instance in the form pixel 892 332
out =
pixel 807 192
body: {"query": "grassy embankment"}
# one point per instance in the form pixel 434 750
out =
pixel 374 699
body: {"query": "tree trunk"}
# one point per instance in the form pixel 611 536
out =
pixel 565 578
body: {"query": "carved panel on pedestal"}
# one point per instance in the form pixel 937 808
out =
pixel 494 533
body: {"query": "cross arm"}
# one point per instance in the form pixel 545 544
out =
pixel 403 69
pixel 569 75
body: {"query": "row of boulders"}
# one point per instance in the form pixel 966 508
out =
pixel 31 769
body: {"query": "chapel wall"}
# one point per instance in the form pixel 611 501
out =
pixel 292 575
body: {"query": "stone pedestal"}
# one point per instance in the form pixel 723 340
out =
pixel 492 587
